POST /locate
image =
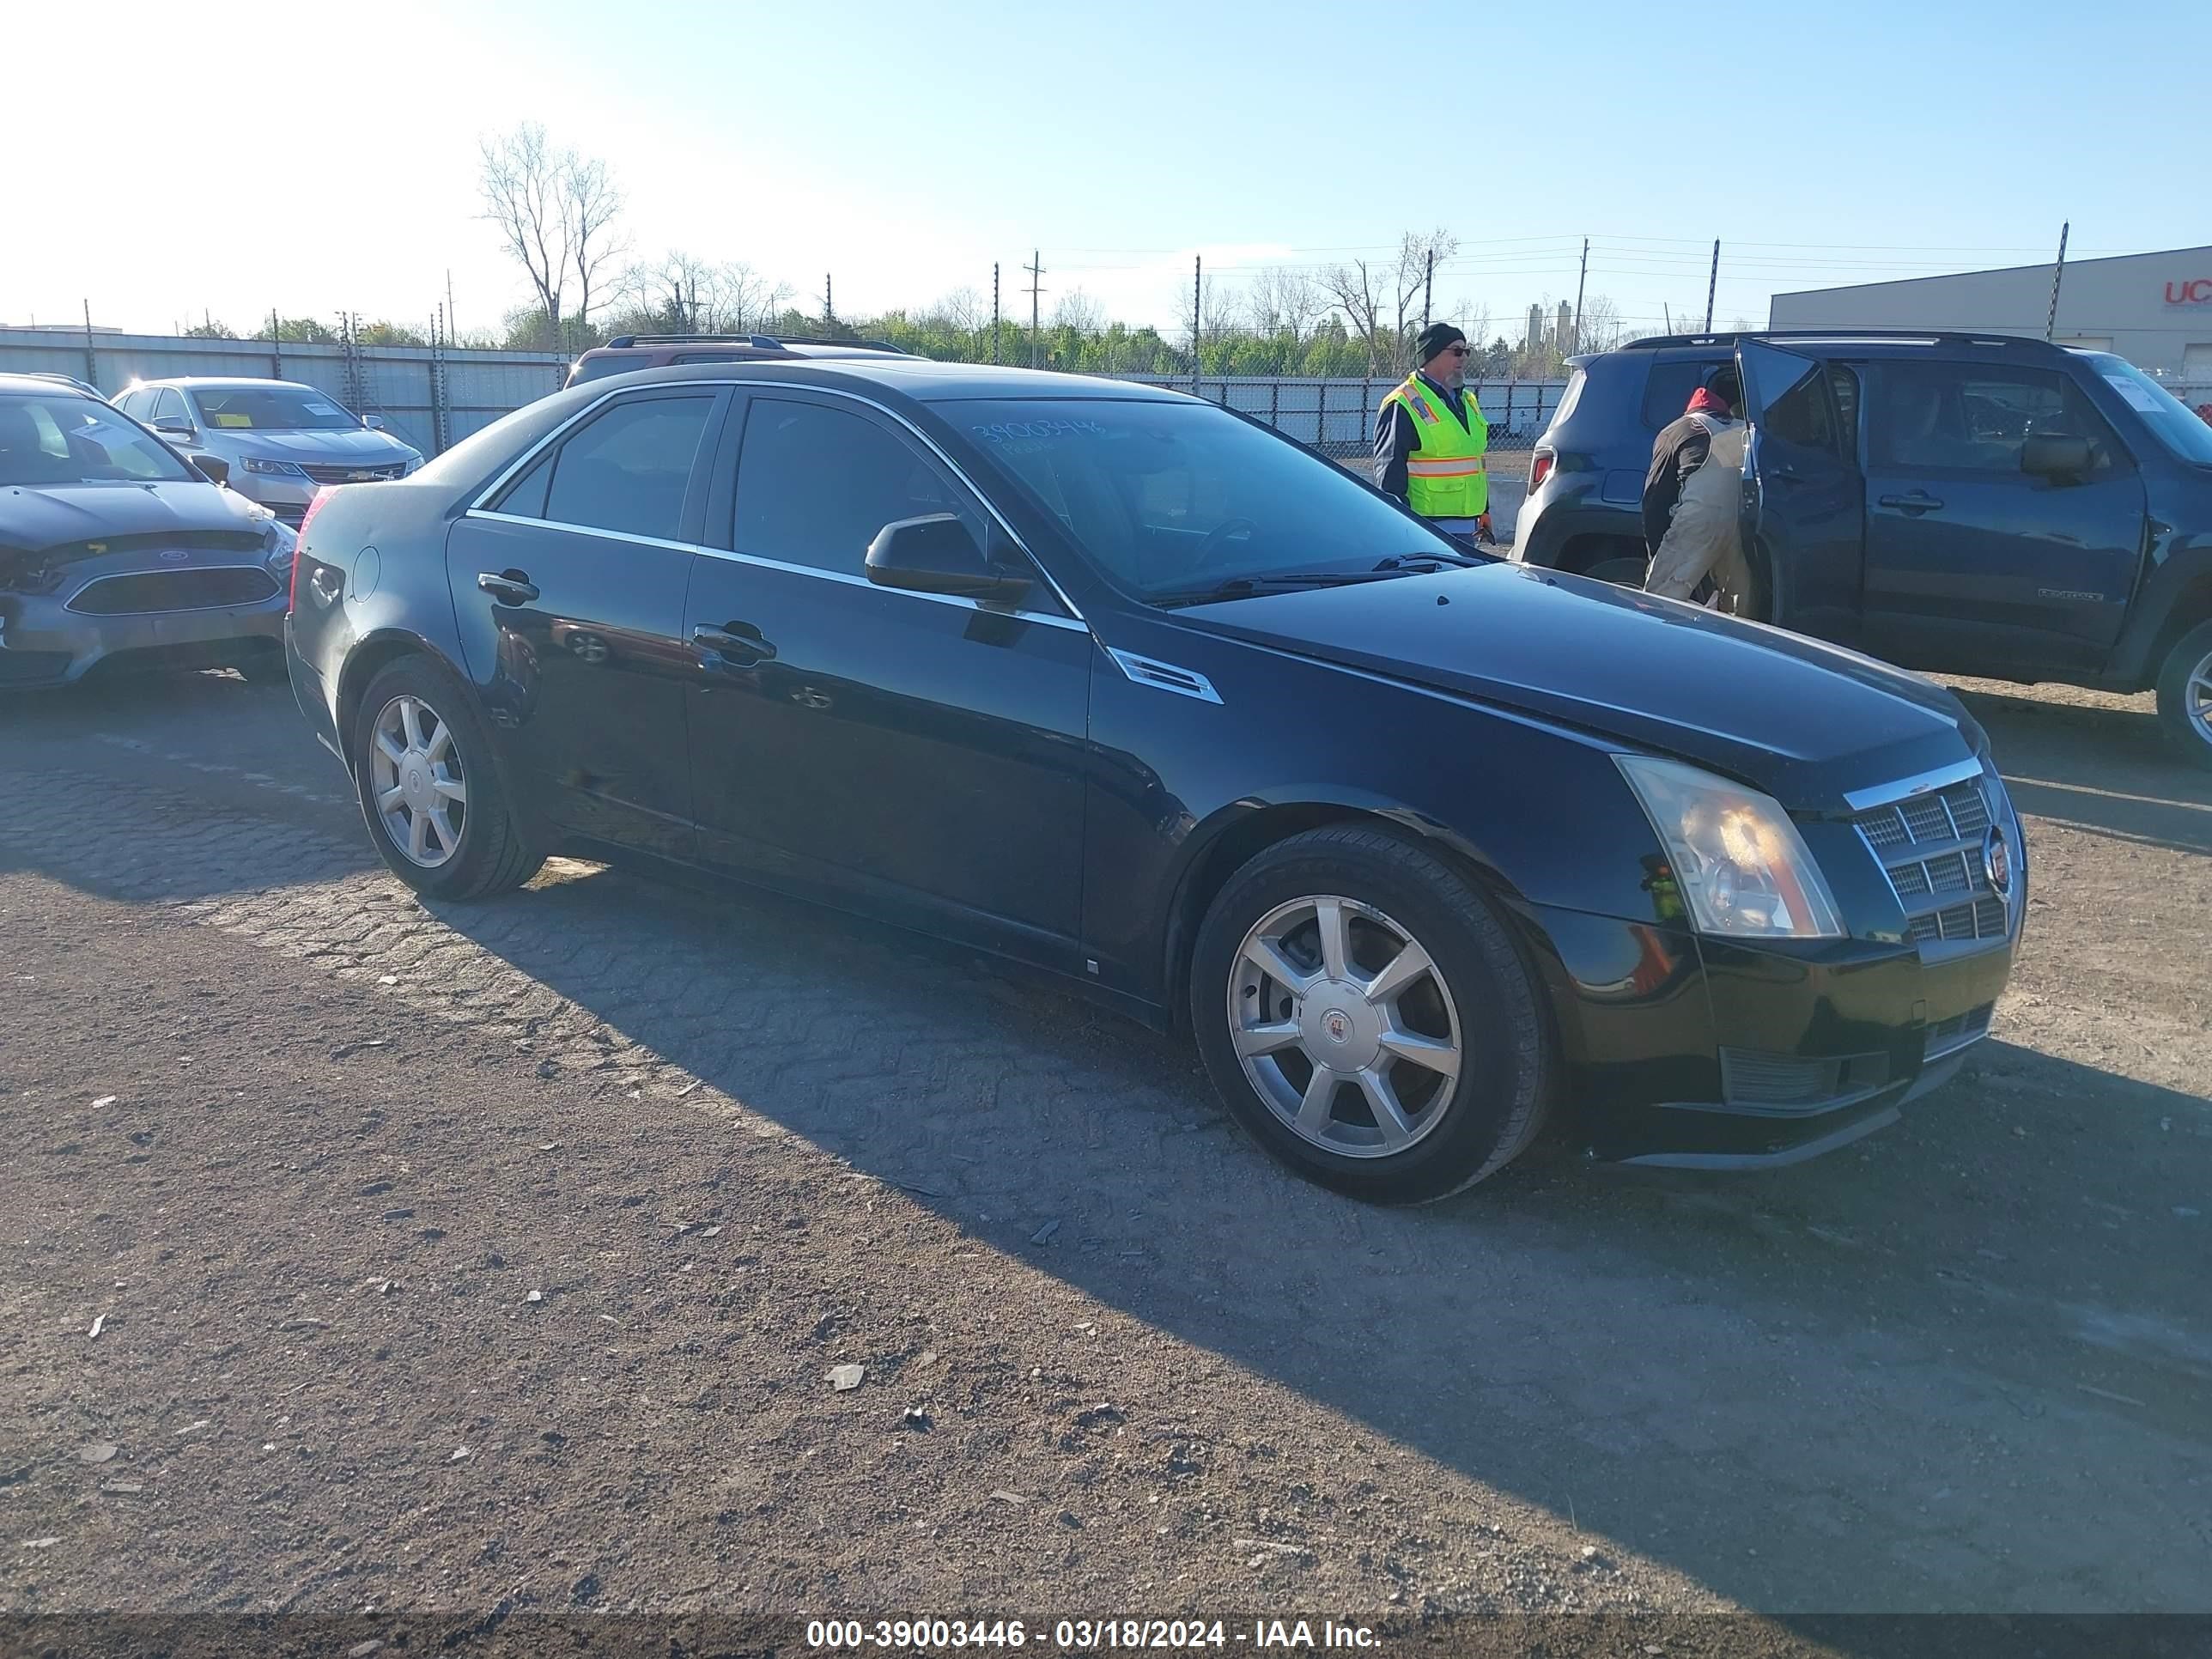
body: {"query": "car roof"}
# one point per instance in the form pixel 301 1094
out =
pixel 1855 340
pixel 219 382
pixel 920 379
pixel 23 381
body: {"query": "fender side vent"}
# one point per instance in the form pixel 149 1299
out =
pixel 1165 677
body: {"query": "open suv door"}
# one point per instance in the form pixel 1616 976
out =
pixel 1804 496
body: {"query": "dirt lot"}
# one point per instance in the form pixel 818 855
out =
pixel 355 1256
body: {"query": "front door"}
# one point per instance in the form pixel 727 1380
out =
pixel 920 754
pixel 569 590
pixel 1973 564
pixel 1804 517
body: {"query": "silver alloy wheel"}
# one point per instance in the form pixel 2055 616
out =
pixel 1345 1026
pixel 2196 699
pixel 417 781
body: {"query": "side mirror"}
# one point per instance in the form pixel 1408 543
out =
pixel 216 471
pixel 374 423
pixel 2051 455
pixel 171 430
pixel 937 554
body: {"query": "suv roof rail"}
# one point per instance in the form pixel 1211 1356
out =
pixel 1874 336
pixel 758 341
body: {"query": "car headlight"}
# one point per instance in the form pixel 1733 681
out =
pixel 1743 868
pixel 281 544
pixel 272 469
pixel 414 465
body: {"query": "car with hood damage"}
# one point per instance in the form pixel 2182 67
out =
pixel 1424 849
pixel 117 555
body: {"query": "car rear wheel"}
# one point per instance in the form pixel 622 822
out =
pixel 424 769
pixel 2185 694
pixel 1367 1017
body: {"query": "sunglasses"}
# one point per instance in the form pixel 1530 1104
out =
pixel 1457 350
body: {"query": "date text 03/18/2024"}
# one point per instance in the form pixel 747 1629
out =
pixel 1086 1635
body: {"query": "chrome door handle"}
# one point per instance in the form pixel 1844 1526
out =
pixel 743 649
pixel 1917 501
pixel 508 586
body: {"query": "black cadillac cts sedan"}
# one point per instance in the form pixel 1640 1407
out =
pixel 1420 846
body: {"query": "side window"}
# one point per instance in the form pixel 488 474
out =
pixel 1975 417
pixel 135 403
pixel 1802 415
pixel 630 469
pixel 170 408
pixel 815 483
pixel 1844 387
pixel 1667 393
pixel 525 497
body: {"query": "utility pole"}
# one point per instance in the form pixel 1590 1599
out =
pixel 2057 276
pixel 1575 337
pixel 1428 282
pixel 1668 311
pixel 449 303
pixel 994 311
pixel 275 346
pixel 1712 284
pixel 1197 319
pixel 1036 269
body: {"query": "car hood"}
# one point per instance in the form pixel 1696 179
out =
pixel 65 517
pixel 343 444
pixel 1802 719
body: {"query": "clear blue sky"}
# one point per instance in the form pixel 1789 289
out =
pixel 315 158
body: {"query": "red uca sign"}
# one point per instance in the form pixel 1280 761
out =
pixel 2198 293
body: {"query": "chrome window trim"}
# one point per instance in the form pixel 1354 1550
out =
pixel 1042 619
pixel 1888 794
pixel 523 463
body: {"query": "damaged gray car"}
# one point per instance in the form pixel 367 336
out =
pixel 117 555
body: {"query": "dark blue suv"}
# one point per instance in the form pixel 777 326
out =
pixel 1963 504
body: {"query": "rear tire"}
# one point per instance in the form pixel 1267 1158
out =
pixel 1435 1066
pixel 429 790
pixel 2185 694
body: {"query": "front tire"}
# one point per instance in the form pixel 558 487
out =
pixel 422 767
pixel 1368 1019
pixel 2185 694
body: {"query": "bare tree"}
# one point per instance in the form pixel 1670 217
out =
pixel 1600 327
pixel 681 293
pixel 1078 311
pixel 590 204
pixel 1418 256
pixel 522 185
pixel 1284 301
pixel 1355 289
pixel 556 213
pixel 961 311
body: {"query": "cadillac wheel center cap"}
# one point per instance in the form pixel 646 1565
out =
pixel 1997 861
pixel 1336 1025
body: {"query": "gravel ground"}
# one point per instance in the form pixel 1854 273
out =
pixel 356 1256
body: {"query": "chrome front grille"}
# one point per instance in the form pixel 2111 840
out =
pixel 144 592
pixel 1932 847
pixel 338 473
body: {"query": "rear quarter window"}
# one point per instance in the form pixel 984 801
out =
pixel 1667 393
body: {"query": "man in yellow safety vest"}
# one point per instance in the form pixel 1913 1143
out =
pixel 1432 442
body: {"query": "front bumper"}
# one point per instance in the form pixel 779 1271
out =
pixel 1701 1053
pixel 286 497
pixel 43 643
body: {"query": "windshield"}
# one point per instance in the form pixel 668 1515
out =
pixel 65 438
pixel 1172 498
pixel 270 409
pixel 2178 427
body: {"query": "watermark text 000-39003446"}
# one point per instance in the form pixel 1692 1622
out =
pixel 1088 1635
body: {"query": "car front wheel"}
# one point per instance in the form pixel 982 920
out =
pixel 422 767
pixel 2185 694
pixel 1367 1017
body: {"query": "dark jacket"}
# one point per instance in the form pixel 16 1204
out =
pixel 1679 450
pixel 1395 438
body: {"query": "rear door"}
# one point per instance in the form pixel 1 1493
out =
pixel 1972 563
pixel 1804 512
pixel 570 588
pixel 921 754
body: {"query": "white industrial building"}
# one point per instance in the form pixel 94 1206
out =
pixel 2153 309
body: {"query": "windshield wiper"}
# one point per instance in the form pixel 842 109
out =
pixel 1421 561
pixel 1245 587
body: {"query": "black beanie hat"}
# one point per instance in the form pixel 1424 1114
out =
pixel 1434 338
